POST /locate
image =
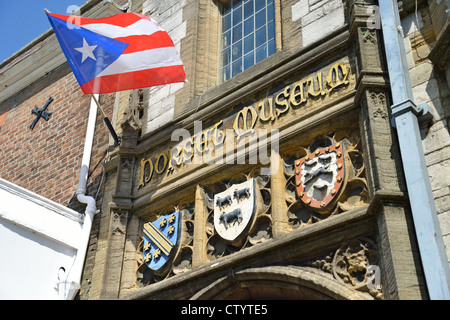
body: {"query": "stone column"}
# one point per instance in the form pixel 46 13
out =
pixel 120 208
pixel 129 269
pixel 280 223
pixel 401 271
pixel 115 254
pixel 200 216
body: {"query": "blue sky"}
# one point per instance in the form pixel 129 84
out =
pixel 21 21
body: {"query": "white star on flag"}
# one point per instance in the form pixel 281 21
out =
pixel 87 51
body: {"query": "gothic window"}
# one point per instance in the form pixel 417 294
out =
pixel 247 35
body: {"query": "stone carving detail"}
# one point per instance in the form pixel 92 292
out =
pixel 378 99
pixel 119 219
pixel 135 111
pixel 354 192
pixel 125 177
pixel 369 35
pixel 182 260
pixel 259 231
pixel 355 264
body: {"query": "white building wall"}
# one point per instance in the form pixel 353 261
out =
pixel 38 241
pixel 30 263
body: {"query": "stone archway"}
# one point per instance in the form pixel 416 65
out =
pixel 280 282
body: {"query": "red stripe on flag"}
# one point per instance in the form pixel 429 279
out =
pixel 159 39
pixel 120 20
pixel 133 80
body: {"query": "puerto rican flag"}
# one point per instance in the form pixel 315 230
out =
pixel 121 52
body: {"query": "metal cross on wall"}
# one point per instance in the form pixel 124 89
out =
pixel 41 113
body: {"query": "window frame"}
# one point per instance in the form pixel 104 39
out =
pixel 250 40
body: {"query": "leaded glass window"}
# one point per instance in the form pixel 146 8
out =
pixel 248 35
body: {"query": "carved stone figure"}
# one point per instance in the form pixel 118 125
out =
pixel 242 193
pixel 223 202
pixel 232 216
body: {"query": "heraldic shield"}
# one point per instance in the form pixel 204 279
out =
pixel 234 210
pixel 319 177
pixel 161 239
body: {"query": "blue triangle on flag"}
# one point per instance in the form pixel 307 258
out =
pixel 95 52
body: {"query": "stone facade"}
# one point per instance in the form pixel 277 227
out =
pixel 151 174
pixel 323 96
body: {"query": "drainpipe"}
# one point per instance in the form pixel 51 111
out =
pixel 405 118
pixel 69 287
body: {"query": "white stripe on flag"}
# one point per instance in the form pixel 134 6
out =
pixel 143 60
pixel 140 27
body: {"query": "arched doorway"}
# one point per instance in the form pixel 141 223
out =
pixel 280 282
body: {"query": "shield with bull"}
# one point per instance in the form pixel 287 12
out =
pixel 234 210
pixel 320 177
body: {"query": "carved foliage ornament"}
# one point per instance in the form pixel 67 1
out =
pixel 355 264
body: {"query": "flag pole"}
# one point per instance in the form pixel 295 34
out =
pixel 108 123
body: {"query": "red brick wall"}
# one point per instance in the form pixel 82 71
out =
pixel 47 160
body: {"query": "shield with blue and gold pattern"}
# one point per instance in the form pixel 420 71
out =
pixel 161 239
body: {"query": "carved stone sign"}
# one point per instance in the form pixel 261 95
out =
pixel 266 112
pixel 234 210
pixel 161 239
pixel 320 176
